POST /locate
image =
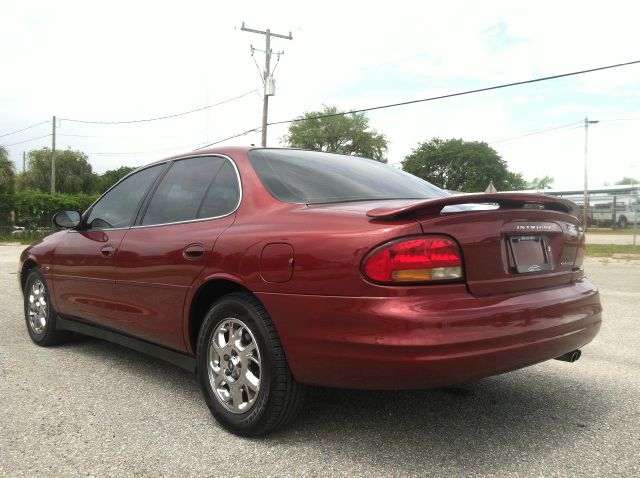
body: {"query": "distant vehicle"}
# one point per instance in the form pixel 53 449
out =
pixel 601 212
pixel 264 270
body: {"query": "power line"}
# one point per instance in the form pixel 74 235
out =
pixel 23 129
pixel 461 93
pixel 127 153
pixel 361 110
pixel 199 146
pixel 537 131
pixel 254 130
pixel 146 120
pixel 137 136
pixel 28 140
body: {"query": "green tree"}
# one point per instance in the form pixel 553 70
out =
pixel 459 165
pixel 541 183
pixel 627 181
pixel 110 177
pixel 73 172
pixel 344 134
pixel 7 187
pixel 7 172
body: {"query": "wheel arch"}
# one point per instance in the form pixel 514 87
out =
pixel 27 267
pixel 208 292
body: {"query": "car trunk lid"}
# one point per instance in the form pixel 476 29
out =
pixel 528 242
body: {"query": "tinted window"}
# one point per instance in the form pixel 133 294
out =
pixel 223 195
pixel 118 207
pixel 182 190
pixel 313 177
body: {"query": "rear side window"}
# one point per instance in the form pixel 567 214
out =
pixel 188 191
pixel 313 177
pixel 118 207
pixel 223 195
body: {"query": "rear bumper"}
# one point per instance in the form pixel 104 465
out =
pixel 427 341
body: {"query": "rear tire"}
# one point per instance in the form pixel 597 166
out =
pixel 38 311
pixel 243 370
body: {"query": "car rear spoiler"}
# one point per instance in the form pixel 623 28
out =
pixel 504 201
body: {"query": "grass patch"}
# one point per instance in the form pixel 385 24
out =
pixel 608 231
pixel 607 250
pixel 27 237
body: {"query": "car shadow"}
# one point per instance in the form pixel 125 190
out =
pixel 486 424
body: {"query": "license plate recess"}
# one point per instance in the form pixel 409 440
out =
pixel 530 253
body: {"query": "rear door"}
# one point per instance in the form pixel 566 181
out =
pixel 84 261
pixel 164 252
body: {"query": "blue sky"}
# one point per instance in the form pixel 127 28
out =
pixel 129 60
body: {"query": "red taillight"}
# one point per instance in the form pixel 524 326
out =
pixel 423 259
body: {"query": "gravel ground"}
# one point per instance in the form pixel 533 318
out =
pixel 90 408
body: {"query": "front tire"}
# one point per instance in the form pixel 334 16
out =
pixel 243 370
pixel 38 311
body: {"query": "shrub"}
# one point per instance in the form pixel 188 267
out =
pixel 7 204
pixel 34 209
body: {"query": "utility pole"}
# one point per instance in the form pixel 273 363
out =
pixel 24 161
pixel 585 208
pixel 635 217
pixel 53 158
pixel 268 89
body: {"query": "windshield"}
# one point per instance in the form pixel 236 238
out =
pixel 312 177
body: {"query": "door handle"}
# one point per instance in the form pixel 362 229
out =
pixel 107 250
pixel 193 251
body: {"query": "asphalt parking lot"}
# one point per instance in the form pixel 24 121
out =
pixel 90 408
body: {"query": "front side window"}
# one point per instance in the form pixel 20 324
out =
pixel 119 206
pixel 194 188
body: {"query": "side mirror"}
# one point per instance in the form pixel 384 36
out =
pixel 67 219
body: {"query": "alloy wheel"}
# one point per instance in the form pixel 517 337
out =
pixel 234 365
pixel 37 307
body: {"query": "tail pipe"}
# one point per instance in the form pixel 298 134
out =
pixel 571 357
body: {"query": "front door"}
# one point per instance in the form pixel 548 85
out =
pixel 83 265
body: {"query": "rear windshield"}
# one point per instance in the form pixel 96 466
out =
pixel 312 177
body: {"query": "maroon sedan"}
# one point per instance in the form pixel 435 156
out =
pixel 264 270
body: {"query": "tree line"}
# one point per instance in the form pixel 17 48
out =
pixel 74 174
pixel 25 198
pixel 453 164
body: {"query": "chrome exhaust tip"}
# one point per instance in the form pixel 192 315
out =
pixel 570 357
